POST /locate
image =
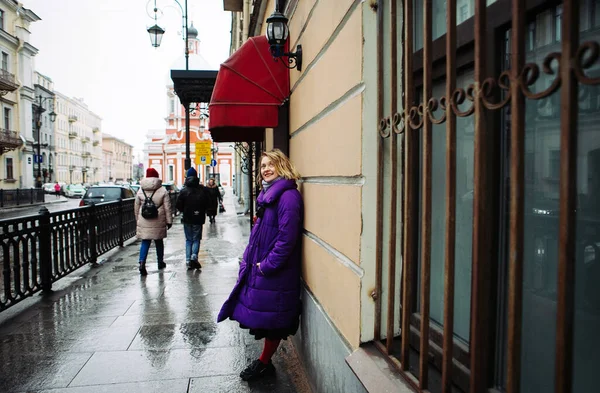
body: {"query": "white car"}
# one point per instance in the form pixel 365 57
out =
pixel 74 190
pixel 48 188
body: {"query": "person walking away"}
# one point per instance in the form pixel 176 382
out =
pixel 266 297
pixel 192 202
pixel 215 199
pixel 57 190
pixel 153 217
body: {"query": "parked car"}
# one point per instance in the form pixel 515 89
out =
pixel 106 193
pixel 74 190
pixel 135 188
pixel 48 188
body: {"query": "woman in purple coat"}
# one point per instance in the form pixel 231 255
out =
pixel 266 297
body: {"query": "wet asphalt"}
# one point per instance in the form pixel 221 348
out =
pixel 109 330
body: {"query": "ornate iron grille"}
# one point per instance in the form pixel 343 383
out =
pixel 496 39
pixel 40 249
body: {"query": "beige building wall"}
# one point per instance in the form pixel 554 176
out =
pixel 119 155
pixel 16 65
pixel 326 145
pixel 78 142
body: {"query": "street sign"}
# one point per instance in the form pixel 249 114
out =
pixel 37 159
pixel 202 152
pixel 213 163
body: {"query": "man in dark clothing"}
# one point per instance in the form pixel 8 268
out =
pixel 192 202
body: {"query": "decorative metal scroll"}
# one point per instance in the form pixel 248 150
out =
pixel 586 56
pixel 243 151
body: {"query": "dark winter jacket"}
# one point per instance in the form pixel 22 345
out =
pixel 215 197
pixel 192 201
pixel 267 297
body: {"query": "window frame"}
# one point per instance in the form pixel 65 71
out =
pixel 9 169
pixel 499 17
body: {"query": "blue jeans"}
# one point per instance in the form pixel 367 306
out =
pixel 193 235
pixel 160 249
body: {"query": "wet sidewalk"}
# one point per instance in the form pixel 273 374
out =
pixel 109 330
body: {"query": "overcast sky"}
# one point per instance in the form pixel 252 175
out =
pixel 99 50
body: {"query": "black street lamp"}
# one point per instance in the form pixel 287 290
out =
pixel 38 122
pixel 156 32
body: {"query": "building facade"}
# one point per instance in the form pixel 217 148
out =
pixel 118 160
pixel 43 127
pixel 17 96
pixel 164 150
pixel 78 142
pixel 450 188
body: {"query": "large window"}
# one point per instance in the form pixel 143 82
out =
pixel 9 168
pixel 5 61
pixel 7 118
pixel 542 156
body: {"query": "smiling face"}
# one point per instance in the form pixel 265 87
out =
pixel 268 171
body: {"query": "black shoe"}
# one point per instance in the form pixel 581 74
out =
pixel 142 269
pixel 194 264
pixel 257 369
pixel 161 265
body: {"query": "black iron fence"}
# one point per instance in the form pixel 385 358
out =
pixel 38 250
pixel 18 197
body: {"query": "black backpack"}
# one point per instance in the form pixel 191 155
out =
pixel 149 209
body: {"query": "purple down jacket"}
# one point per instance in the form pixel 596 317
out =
pixel 268 298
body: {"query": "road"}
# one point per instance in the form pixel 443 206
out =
pixel 52 205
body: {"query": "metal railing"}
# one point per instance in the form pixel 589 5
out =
pixel 19 197
pixel 7 77
pixel 10 137
pixel 37 250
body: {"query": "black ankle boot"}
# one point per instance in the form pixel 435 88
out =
pixel 161 265
pixel 142 269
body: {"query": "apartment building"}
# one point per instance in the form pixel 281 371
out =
pixel 78 142
pixel 118 159
pixel 17 95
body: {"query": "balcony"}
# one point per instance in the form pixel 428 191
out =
pixel 85 139
pixel 86 154
pixel 96 143
pixel 9 140
pixel 72 118
pixel 72 134
pixel 7 82
pixel 71 167
pixel 95 130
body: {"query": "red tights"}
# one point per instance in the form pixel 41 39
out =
pixel 269 350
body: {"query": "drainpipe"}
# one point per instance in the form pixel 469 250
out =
pixel 246 20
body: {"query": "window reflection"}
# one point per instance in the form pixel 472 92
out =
pixel 541 219
pixel 465 9
pixel 464 216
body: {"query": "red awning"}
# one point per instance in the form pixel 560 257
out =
pixel 250 88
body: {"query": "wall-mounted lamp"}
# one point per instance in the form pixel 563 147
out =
pixel 277 35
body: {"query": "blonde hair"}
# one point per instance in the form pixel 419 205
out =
pixel 282 164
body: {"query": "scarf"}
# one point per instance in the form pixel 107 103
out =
pixel 266 185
